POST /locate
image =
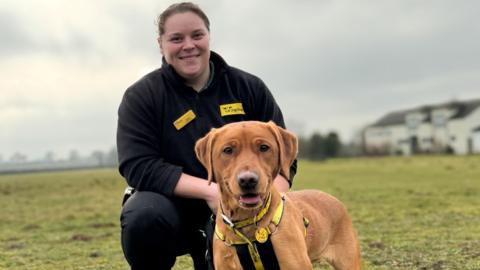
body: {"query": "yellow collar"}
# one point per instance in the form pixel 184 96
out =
pixel 277 216
pixel 248 221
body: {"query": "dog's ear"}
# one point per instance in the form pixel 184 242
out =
pixel 287 145
pixel 203 150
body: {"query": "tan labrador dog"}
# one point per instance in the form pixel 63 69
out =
pixel 305 226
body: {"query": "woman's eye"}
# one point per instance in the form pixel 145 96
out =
pixel 198 36
pixel 264 148
pixel 228 150
pixel 176 39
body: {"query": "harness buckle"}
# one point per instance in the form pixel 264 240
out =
pixel 227 221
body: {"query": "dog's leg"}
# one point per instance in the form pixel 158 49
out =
pixel 225 257
pixel 297 263
pixel 290 246
pixel 293 259
pixel 344 254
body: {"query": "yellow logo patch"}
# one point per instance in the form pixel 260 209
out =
pixel 231 109
pixel 184 120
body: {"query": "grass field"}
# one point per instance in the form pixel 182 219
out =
pixel 410 213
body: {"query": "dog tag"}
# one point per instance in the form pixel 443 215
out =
pixel 261 235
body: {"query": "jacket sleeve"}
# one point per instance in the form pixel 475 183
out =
pixel 266 109
pixel 138 144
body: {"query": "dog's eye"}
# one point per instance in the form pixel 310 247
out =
pixel 264 148
pixel 228 150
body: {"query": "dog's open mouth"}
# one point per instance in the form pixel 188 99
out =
pixel 250 200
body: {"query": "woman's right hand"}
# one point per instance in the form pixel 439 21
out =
pixel 197 188
pixel 213 199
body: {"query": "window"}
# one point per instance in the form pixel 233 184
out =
pixel 413 121
pixel 439 119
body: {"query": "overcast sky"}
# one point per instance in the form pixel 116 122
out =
pixel 331 64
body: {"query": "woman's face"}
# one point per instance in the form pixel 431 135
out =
pixel 185 44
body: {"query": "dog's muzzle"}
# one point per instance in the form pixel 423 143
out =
pixel 247 180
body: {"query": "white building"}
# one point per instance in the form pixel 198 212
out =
pixel 450 127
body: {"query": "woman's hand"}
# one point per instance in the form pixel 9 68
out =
pixel 213 198
pixel 281 184
pixel 189 186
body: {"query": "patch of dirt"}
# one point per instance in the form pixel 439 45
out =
pixel 438 265
pixel 16 245
pixel 95 254
pixel 31 227
pixel 81 237
pixel 377 245
pixel 102 225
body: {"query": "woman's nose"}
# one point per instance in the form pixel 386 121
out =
pixel 189 44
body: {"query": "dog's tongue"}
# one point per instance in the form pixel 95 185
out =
pixel 250 199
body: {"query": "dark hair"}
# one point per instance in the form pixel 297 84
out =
pixel 180 8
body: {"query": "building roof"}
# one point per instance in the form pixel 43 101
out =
pixel 462 108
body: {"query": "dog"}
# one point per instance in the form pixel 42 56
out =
pixel 244 158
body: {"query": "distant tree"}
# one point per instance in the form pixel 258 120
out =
pixel 49 157
pixel 99 157
pixel 73 156
pixel 303 147
pixel 332 145
pixel 316 146
pixel 111 158
pixel 18 158
pixel 319 147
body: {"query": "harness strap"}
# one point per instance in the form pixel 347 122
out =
pixel 277 216
pixel 252 250
pixel 244 256
pixel 256 253
pixel 267 255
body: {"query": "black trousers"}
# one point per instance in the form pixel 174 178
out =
pixel 156 229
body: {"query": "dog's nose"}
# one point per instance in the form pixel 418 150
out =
pixel 247 180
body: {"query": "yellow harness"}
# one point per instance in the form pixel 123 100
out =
pixel 261 235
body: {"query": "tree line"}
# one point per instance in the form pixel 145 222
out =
pixel 99 158
pixel 319 146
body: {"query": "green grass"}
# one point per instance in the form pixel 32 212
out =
pixel 410 213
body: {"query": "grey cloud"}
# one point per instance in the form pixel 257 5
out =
pixel 14 38
pixel 138 29
pixel 372 65
pixel 17 40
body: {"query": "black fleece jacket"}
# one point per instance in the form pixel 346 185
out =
pixel 153 151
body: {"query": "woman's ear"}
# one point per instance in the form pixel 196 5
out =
pixel 160 45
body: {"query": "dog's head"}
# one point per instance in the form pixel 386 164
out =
pixel 244 158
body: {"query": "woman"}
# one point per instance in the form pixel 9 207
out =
pixel 161 117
